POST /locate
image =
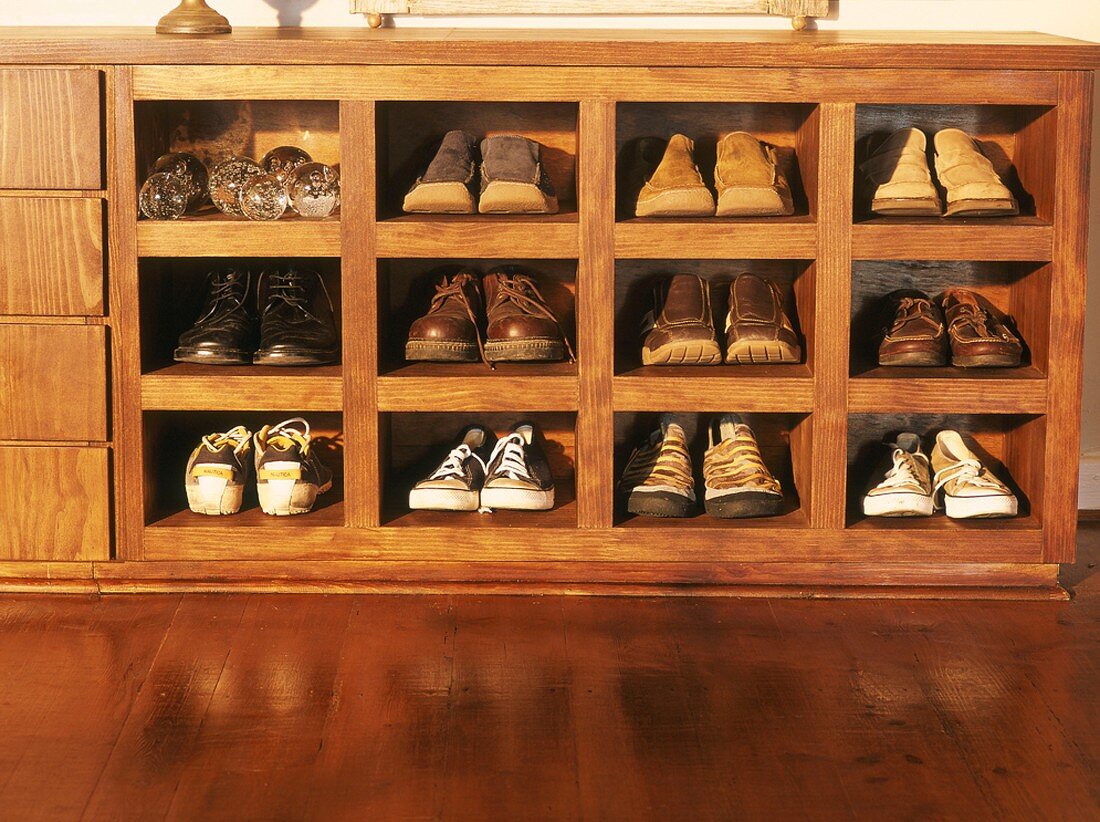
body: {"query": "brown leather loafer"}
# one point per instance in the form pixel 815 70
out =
pixel 680 328
pixel 979 333
pixel 449 332
pixel 748 179
pixel 757 328
pixel 522 328
pixel 913 330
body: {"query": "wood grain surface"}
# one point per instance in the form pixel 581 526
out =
pixel 460 707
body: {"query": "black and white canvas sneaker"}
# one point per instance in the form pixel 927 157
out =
pixel 217 472
pixel 518 476
pixel 455 484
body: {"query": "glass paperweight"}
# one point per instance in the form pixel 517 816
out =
pixel 314 190
pixel 163 197
pixel 283 160
pixel 227 181
pixel 189 168
pixel 264 198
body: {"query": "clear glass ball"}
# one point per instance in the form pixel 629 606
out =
pixel 283 160
pixel 227 182
pixel 264 198
pixel 314 190
pixel 188 167
pixel 163 197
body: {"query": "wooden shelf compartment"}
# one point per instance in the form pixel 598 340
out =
pixel 936 238
pixel 413 444
pixel 1012 446
pixel 172 294
pixel 214 130
pixel 1021 290
pixel 776 238
pixel 405 291
pixel 1018 139
pixel 785 441
pixel 713 388
pixel 408 134
pixel 635 281
pixel 170 436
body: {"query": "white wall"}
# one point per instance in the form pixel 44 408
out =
pixel 1073 18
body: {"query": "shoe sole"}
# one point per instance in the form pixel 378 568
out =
pixel 440 198
pixel 699 352
pixel 517 499
pixel 214 496
pixel 501 197
pixel 664 504
pixel 677 202
pixel 913 358
pixel 443 499
pixel 897 505
pixel 283 498
pixel 983 208
pixel 991 507
pixel 987 361
pixel 441 351
pixel 917 207
pixel 295 358
pixel 529 350
pixel 744 505
pixel 753 202
pixel 758 353
pixel 203 356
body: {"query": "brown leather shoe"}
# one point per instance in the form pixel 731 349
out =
pixel 676 188
pixel 913 330
pixel 748 179
pixel 680 328
pixel 449 332
pixel 522 328
pixel 979 334
pixel 757 328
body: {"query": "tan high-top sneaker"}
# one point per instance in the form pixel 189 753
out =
pixel 970 491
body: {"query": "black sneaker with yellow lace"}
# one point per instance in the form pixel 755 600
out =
pixel 738 483
pixel 289 474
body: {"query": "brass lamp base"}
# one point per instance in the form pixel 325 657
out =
pixel 193 17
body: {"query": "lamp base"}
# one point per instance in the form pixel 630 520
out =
pixel 193 17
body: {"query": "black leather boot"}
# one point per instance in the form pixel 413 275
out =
pixel 296 325
pixel 225 332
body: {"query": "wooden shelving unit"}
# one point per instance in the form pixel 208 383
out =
pixel 371 102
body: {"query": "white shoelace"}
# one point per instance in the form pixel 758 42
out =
pixel 967 473
pixel 238 437
pixel 451 467
pixel 513 462
pixel 904 471
pixel 287 427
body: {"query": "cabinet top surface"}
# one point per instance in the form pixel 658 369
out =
pixel 823 49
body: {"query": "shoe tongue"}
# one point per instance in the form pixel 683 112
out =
pixel 727 426
pixel 963 297
pixel 952 445
pixel 527 432
pixel 474 439
pixel 906 138
pixel 910 443
pixel 951 140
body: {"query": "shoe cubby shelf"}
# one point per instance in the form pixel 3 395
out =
pixel 373 105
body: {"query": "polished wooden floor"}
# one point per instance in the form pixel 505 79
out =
pixel 466 708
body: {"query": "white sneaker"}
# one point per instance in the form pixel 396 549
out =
pixel 906 490
pixel 969 489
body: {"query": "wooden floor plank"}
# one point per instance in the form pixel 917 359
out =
pixel 459 708
pixel 72 667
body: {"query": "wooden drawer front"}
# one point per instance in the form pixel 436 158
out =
pixel 53 382
pixel 50 122
pixel 51 256
pixel 58 508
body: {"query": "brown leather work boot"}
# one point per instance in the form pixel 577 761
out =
pixel 522 328
pixel 913 330
pixel 979 333
pixel 449 332
pixel 757 328
pixel 680 328
pixel 676 188
pixel 748 179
